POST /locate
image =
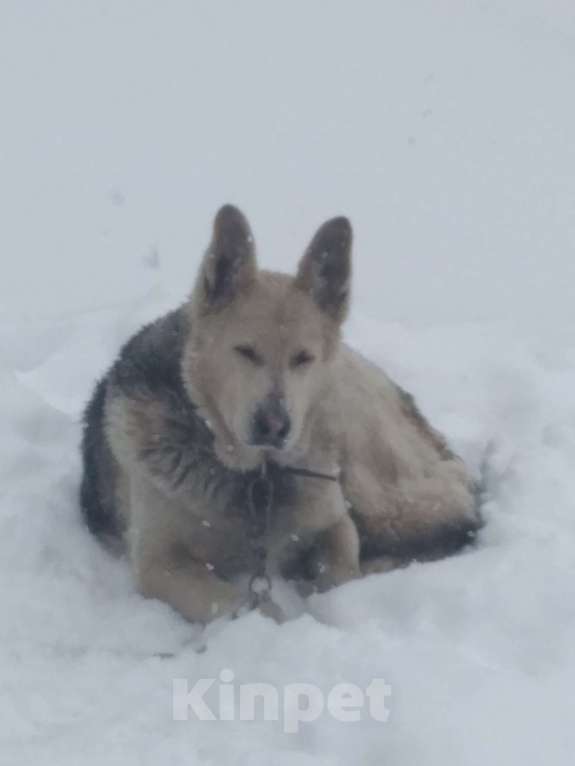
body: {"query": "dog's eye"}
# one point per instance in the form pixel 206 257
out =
pixel 249 353
pixel 301 359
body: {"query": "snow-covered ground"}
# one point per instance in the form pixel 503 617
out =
pixel 445 130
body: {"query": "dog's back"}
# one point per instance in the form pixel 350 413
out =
pixel 148 367
pixel 412 498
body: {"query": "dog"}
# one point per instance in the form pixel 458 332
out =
pixel 238 439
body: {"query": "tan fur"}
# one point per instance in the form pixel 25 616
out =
pixel 347 418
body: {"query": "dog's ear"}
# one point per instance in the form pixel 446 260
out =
pixel 229 265
pixel 325 269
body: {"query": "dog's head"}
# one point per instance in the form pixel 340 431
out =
pixel 262 344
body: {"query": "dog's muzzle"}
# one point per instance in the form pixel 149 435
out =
pixel 271 424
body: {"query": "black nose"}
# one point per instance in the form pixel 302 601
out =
pixel 271 425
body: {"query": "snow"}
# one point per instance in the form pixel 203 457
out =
pixel 445 132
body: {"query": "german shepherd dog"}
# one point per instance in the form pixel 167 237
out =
pixel 238 436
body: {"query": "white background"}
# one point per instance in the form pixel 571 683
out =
pixel 443 129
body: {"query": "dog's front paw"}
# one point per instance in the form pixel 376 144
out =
pixel 330 576
pixel 269 608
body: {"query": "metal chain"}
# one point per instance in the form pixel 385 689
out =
pixel 260 501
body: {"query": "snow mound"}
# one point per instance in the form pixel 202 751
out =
pixel 479 649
